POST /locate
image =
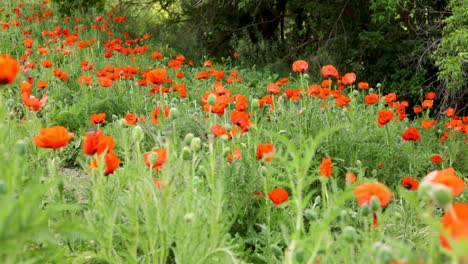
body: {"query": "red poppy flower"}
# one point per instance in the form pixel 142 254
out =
pixel 365 191
pixel 427 103
pixel 272 88
pixel 265 149
pixel 241 119
pixel 155 114
pixel 9 69
pixel 326 168
pixel 349 78
pixel 350 177
pixel 161 158
pixel 235 155
pixel 131 119
pixel 112 162
pixel 42 84
pixel 329 71
pixel 159 183
pixel 32 102
pixel 410 183
pixel 448 178
pixel 436 159
pixel 53 137
pixel 411 133
pixel 455 223
pixel 371 99
pixel 427 124
pixel 98 118
pixel 417 109
pixel 156 76
pixel 431 96
pixel 450 112
pixel 300 66
pixel 384 116
pixel 363 85
pixel 390 98
pixel 278 196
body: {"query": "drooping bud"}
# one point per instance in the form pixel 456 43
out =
pixel 137 133
pixel 211 99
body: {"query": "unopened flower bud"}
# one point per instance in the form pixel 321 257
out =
pixel 189 217
pixel 186 154
pixel 21 146
pixel 318 200
pixel 255 104
pixel 173 113
pixel 224 138
pixel 195 144
pixel 137 133
pixel 188 138
pixel 442 195
pixel 365 210
pixel 153 157
pixel 349 234
pixel 211 99
pixel 375 204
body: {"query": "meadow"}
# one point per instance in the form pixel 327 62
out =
pixel 116 150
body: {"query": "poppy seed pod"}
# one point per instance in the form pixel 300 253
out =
pixel 186 154
pixel 375 204
pixel 365 210
pixel 255 104
pixel 153 157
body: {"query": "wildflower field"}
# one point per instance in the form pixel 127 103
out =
pixel 117 150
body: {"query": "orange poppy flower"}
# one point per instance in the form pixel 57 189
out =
pixel 105 82
pixel 455 223
pixel 85 80
pixel 25 87
pixel 91 141
pixel 155 114
pixel 42 84
pixel 326 168
pixel 53 137
pixel 384 116
pixel 349 78
pixel 47 63
pixel 411 133
pixel 427 103
pixel 448 178
pixel 417 109
pixel 265 149
pixel 235 155
pixel 390 98
pixel 241 119
pixel 282 81
pixel 278 196
pixel 363 85
pixel 371 99
pixel 437 159
pixel 350 177
pixel 9 69
pixel 98 118
pixel 431 96
pixel 272 88
pixel 300 66
pixel 450 111
pixel 131 119
pixel 112 162
pixel 329 71
pixel 32 102
pixel 161 158
pixel 365 191
pixel 156 76
pixel 207 64
pixel 410 183
pixel 427 124
pixel 159 183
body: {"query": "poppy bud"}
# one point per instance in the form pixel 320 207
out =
pixel 383 253
pixel 310 214
pixel 186 155
pixel 122 122
pixel 378 85
pixel 21 147
pixel 153 157
pixel 195 144
pixel 306 76
pixel 349 234
pixel 255 104
pixel 424 190
pixel 137 133
pixel 276 250
pixel 211 99
pixel 224 137
pixel 188 138
pixel 442 195
pixel 365 210
pixel 226 151
pixel 371 90
pixel 173 113
pixel 375 204
pixel 358 163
